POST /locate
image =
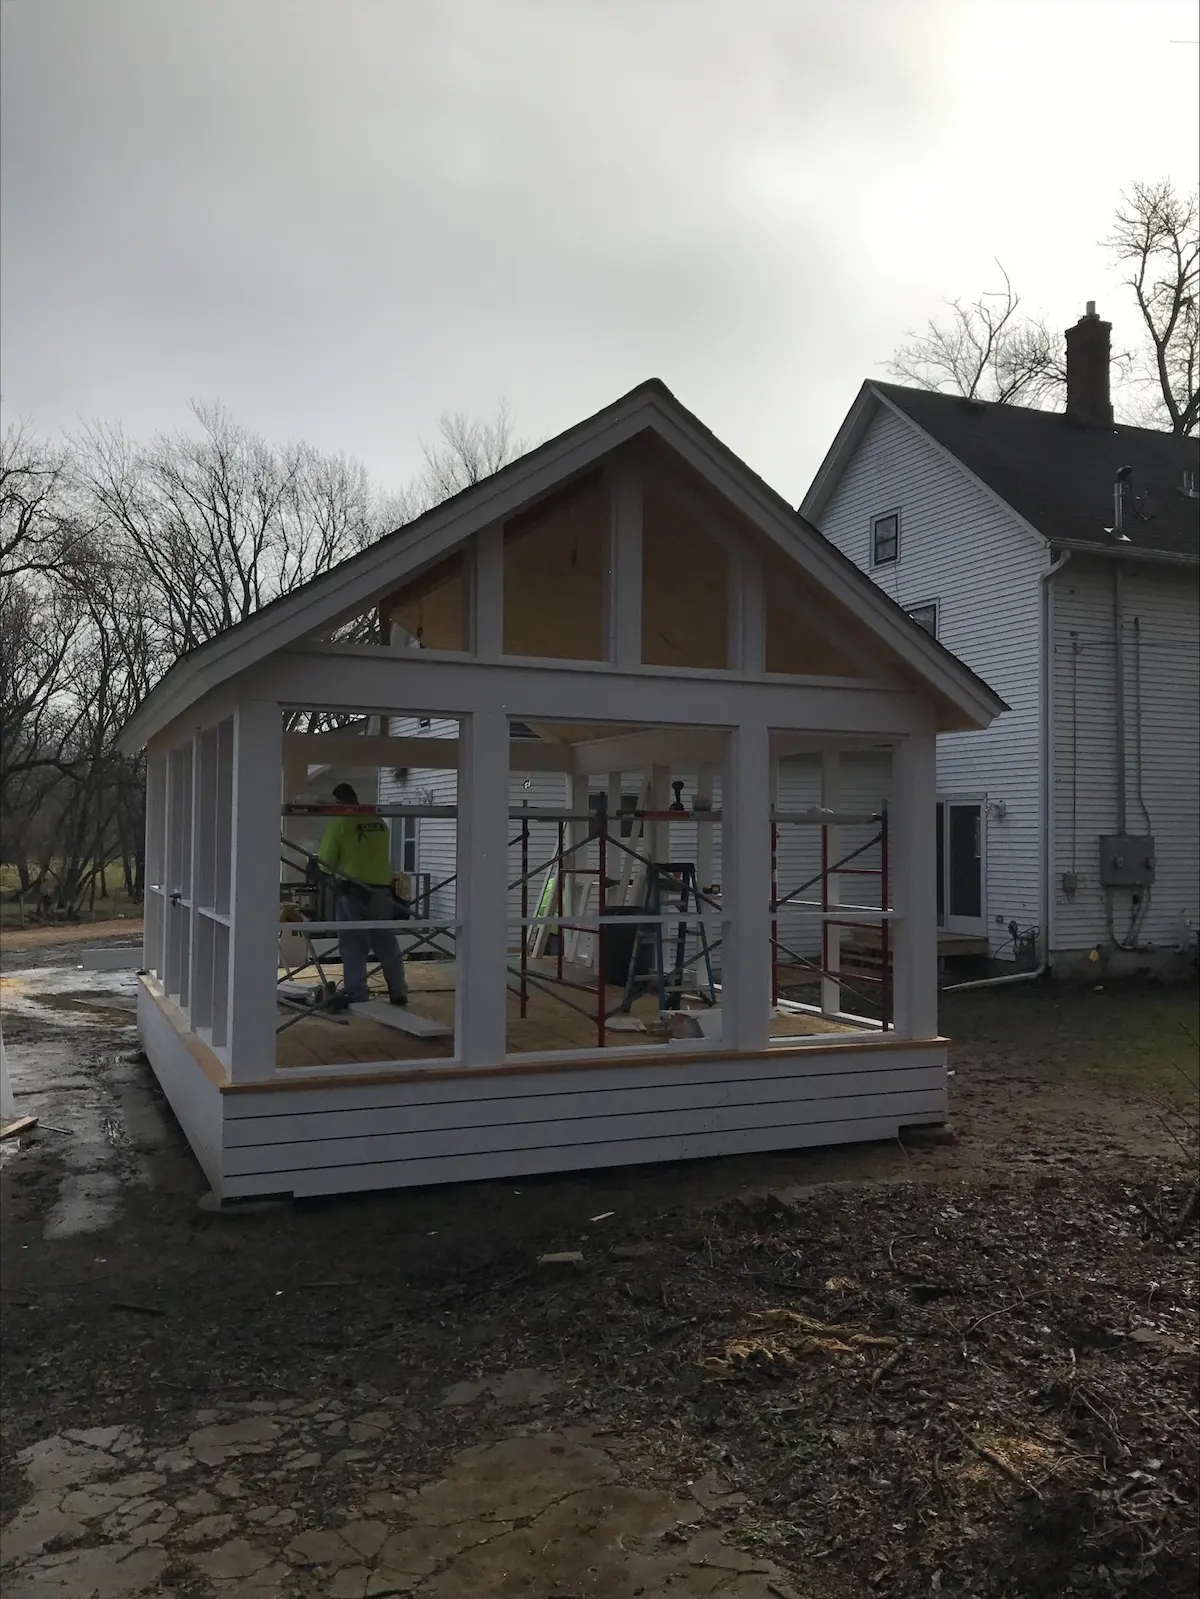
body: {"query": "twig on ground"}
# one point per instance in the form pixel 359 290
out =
pixel 1152 1216
pixel 1191 1155
pixel 890 1364
pixel 979 1320
pixel 1185 1215
pixel 1190 1081
pixel 996 1460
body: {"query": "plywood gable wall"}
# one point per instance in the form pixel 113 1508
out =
pixel 691 551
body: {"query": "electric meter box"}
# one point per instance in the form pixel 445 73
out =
pixel 1126 861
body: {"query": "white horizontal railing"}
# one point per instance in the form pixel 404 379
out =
pixel 328 929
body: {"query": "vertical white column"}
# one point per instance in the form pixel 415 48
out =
pixel 200 979
pixel 155 869
pixel 746 889
pixel 831 800
pixel 618 862
pixel 481 995
pixel 913 871
pixel 487 603
pixel 704 830
pixel 612 789
pixel 576 893
pixel 295 782
pixel 660 799
pixel 254 890
pixel 625 567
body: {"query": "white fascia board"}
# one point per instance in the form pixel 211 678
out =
pixel 834 572
pixel 348 588
pixel 840 452
pixel 1127 552
pixel 963 470
pixel 345 591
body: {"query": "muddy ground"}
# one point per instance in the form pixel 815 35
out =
pixel 966 1366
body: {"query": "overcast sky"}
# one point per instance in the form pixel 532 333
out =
pixel 344 217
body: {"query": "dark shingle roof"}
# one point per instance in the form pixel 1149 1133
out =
pixel 1058 474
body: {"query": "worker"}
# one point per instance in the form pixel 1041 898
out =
pixel 355 850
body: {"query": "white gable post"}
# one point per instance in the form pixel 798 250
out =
pixel 481 1006
pixel 487 594
pixel 913 870
pixel 749 652
pixel 254 890
pixel 625 567
pixel 746 889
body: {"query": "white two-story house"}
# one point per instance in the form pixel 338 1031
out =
pixel 1058 555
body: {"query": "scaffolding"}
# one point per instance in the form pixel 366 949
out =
pixel 861 917
pixel 699 906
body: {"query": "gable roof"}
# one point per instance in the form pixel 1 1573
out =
pixel 1054 472
pixel 356 583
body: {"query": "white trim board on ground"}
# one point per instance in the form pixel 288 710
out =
pixel 401 1018
pixel 106 958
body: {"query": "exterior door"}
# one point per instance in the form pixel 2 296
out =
pixel 960 867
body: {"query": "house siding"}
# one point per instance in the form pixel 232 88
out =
pixel 1161 635
pixel 982 566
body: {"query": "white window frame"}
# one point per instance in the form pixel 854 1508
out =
pixel 884 516
pixel 927 605
pixel 965 926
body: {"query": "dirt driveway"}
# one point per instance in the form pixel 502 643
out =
pixel 964 1366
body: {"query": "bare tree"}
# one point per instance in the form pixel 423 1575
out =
pixel 984 349
pixel 116 557
pixel 1157 237
pixel 219 523
pixel 41 528
pixel 467 450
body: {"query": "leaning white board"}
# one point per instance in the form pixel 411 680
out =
pixel 401 1018
pixel 104 958
pixel 8 1105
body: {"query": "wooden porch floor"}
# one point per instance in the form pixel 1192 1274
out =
pixel 549 1024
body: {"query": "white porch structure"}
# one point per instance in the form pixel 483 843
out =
pixel 632 593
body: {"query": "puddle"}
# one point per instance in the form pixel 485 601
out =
pixel 71 998
pixel 103 1127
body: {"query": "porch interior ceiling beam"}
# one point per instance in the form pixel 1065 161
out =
pixel 362 677
pixel 430 754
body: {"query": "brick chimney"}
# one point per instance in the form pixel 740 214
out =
pixel 1089 352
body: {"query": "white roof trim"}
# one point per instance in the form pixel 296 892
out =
pixel 355 583
pixel 837 457
pixel 850 434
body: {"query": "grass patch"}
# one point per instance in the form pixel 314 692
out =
pixel 1132 1035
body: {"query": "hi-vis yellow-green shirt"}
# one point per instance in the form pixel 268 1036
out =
pixel 357 847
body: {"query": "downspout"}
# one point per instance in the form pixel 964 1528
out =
pixel 1045 849
pixel 1118 588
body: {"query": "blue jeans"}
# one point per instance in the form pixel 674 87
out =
pixel 355 944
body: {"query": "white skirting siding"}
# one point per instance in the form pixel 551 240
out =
pixel 195 1099
pixel 437 1124
pixel 447 1129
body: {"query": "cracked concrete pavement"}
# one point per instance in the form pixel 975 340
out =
pixel 227 1509
pixel 260 1497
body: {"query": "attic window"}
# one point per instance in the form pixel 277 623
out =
pixel 885 539
pixel 926 616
